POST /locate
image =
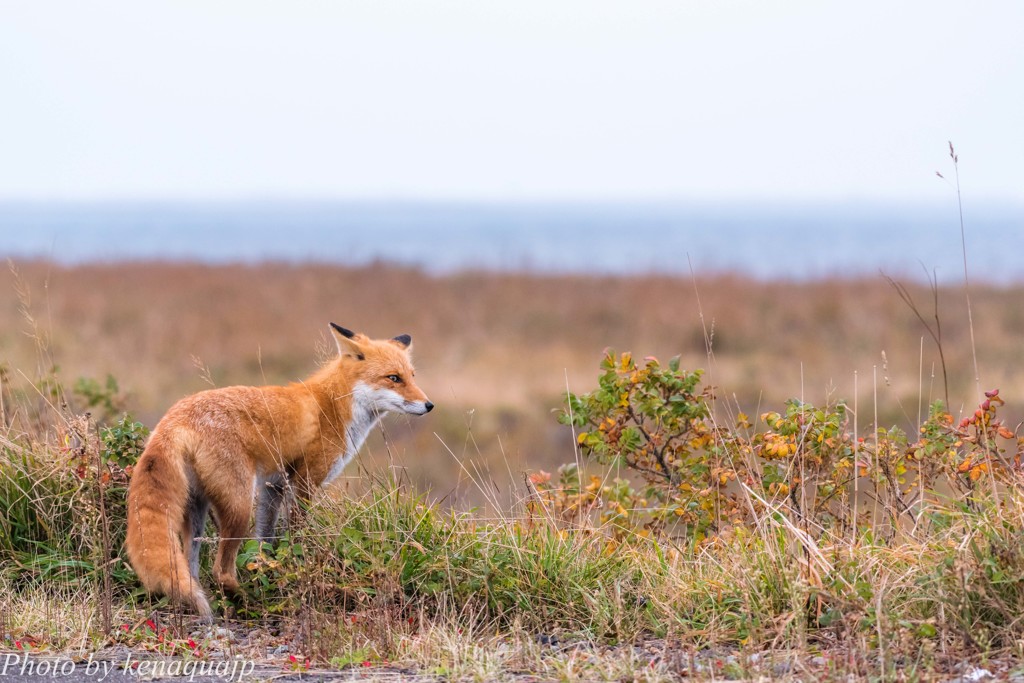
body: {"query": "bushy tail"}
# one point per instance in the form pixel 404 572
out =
pixel 157 524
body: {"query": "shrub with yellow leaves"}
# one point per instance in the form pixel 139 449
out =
pixel 700 477
pixel 655 421
pixel 807 460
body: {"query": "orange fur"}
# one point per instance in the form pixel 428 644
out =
pixel 210 448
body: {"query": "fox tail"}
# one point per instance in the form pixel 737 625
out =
pixel 158 525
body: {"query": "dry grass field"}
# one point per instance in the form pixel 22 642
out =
pixel 496 352
pixel 799 545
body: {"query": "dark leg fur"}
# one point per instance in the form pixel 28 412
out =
pixel 271 492
pixel 197 509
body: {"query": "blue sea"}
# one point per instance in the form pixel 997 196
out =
pixel 764 241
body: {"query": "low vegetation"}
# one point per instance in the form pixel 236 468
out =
pixel 730 539
pixel 683 538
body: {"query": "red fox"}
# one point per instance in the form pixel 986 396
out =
pixel 215 449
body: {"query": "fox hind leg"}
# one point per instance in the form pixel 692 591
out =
pixel 233 517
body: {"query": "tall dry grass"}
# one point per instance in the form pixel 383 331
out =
pixel 496 352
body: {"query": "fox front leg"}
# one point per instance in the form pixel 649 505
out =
pixel 270 495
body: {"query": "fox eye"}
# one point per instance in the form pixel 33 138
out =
pixel 395 378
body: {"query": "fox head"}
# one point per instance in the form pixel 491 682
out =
pixel 382 372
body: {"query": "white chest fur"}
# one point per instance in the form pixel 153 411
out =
pixel 367 406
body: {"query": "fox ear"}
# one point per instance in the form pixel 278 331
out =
pixel 346 341
pixel 403 340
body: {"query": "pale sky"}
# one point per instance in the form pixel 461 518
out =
pixel 519 100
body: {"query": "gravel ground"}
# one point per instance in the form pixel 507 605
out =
pixel 120 663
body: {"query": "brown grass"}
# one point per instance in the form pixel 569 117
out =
pixel 495 351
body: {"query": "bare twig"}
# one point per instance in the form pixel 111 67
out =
pixel 936 331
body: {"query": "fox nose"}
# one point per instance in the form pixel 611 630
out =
pixel 429 406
